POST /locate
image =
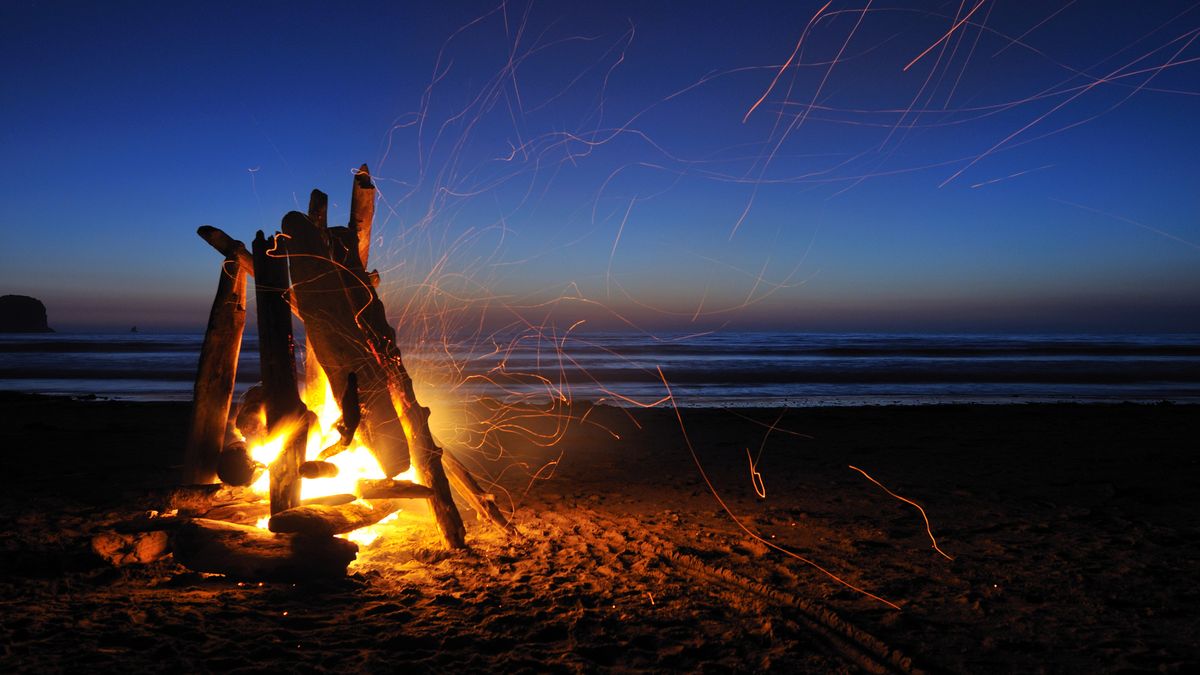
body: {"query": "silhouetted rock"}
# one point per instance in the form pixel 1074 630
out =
pixel 22 314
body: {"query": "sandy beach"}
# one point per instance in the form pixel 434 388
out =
pixel 1072 530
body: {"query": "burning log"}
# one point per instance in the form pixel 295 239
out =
pixel 331 325
pixel 318 469
pixel 371 323
pixel 243 552
pixel 213 391
pixel 329 500
pixel 277 355
pixel 236 467
pixel 321 520
pixel 386 488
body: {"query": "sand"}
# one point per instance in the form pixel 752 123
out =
pixel 1073 531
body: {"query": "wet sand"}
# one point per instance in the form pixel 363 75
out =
pixel 1073 531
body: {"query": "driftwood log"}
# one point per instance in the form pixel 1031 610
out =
pixel 354 330
pixel 286 414
pixel 464 484
pixel 228 246
pixel 317 469
pixel 213 391
pixel 362 212
pixel 320 520
pixel 198 499
pixel 331 326
pixel 248 553
pixel 387 488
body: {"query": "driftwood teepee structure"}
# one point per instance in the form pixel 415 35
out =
pixel 319 274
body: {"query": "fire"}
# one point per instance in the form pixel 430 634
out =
pixel 354 463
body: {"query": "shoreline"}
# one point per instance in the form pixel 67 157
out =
pixel 741 403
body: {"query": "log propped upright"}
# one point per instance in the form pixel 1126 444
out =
pixel 286 414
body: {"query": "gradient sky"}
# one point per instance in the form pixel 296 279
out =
pixel 1035 169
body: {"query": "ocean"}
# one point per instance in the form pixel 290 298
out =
pixel 724 369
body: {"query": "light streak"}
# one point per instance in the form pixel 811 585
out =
pixel 928 528
pixel 1123 219
pixel 946 36
pixel 737 521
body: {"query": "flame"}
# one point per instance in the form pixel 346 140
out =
pixel 354 463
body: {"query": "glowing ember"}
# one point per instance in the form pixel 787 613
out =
pixel 354 463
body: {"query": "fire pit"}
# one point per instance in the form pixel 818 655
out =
pixel 290 483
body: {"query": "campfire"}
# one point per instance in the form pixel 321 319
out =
pixel 288 483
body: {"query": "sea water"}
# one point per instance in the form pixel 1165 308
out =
pixel 722 369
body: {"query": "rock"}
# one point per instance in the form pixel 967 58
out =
pixel 22 314
pixel 127 549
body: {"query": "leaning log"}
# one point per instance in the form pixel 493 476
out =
pixel 248 553
pixel 213 390
pixel 319 520
pixel 362 212
pixel 483 503
pixel 381 339
pixel 277 357
pixel 331 325
pixel 228 246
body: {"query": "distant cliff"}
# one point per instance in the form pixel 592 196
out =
pixel 22 314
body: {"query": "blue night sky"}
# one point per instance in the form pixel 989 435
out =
pixel 1036 169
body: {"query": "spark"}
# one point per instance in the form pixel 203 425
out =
pixel 737 521
pixel 1123 219
pixel 1011 175
pixel 944 37
pixel 928 528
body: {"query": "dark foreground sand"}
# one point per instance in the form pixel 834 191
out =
pixel 1074 531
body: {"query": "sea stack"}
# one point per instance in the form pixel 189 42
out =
pixel 22 314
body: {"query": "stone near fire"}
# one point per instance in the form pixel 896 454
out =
pixel 128 549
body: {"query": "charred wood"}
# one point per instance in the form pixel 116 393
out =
pixel 277 356
pixel 249 553
pixel 332 326
pixel 213 391
pixel 318 469
pixel 236 467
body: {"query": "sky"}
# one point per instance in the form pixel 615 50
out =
pixel 969 165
